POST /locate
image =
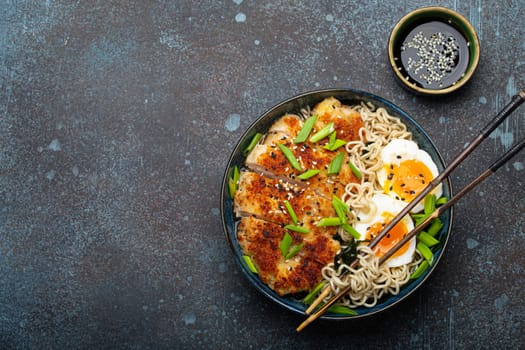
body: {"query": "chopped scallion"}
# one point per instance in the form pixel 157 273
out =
pixel 306 129
pixel 253 142
pixel 341 309
pixel 335 164
pixel 419 218
pixel 308 174
pixel 426 252
pixel 249 263
pixel 331 139
pixel 293 250
pixel 329 222
pixel 285 244
pixel 233 180
pixel 290 157
pixel 313 294
pixel 296 228
pixel 324 132
pixel 340 208
pixel 441 201
pixel 356 171
pixel 351 230
pixel 286 247
pixel 291 212
pixel 420 269
pixel 336 145
pixel 429 240
pixel 434 227
pixel 430 204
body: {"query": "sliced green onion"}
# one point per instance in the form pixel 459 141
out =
pixel 340 208
pixel 324 132
pixel 331 139
pixel 293 251
pixel 335 164
pixel 429 240
pixel 232 187
pixel 341 309
pixel 233 181
pixel 249 263
pixel 336 145
pixel 435 227
pixel 253 142
pixel 308 174
pixel 329 222
pixel 420 269
pixel 419 218
pixel 441 201
pixel 426 252
pixel 430 204
pixel 351 231
pixel 356 171
pixel 305 130
pixel 290 156
pixel 291 212
pixel 296 228
pixel 313 294
pixel 285 244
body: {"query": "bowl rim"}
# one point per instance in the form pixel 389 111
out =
pixel 226 202
pixel 462 25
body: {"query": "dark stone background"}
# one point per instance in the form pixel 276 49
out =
pixel 117 119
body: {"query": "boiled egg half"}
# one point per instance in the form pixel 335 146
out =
pixel 406 171
pixel 383 209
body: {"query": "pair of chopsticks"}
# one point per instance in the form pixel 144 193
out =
pixel 515 102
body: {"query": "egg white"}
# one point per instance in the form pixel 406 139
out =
pixel 380 204
pixel 399 150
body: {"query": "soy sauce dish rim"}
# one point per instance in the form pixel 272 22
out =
pixel 262 124
pixel 427 14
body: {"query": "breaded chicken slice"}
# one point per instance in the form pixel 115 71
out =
pixel 260 240
pixel 265 197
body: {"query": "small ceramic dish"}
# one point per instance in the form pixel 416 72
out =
pixel 433 51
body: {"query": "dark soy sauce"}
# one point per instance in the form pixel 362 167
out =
pixel 433 55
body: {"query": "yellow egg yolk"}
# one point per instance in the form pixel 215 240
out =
pixel 407 179
pixel 387 242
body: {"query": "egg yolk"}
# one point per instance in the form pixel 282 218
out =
pixel 407 179
pixel 391 238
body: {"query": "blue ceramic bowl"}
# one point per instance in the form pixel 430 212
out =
pixel 294 105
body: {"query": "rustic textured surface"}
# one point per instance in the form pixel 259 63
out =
pixel 116 121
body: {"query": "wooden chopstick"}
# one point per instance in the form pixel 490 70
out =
pixel 515 102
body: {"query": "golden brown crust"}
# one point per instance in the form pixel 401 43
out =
pixel 260 240
pixel 264 197
pixel 262 191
